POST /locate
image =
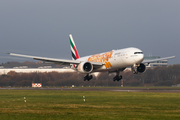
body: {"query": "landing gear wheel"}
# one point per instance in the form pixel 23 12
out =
pixel 117 78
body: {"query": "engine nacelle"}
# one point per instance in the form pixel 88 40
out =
pixel 138 68
pixel 85 67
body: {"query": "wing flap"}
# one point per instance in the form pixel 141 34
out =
pixel 61 61
pixel 57 61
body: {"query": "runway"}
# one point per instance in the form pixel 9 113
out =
pixel 162 90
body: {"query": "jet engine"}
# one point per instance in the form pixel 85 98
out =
pixel 85 67
pixel 138 68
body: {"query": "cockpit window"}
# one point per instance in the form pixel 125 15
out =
pixel 138 52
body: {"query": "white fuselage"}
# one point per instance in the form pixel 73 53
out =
pixel 116 59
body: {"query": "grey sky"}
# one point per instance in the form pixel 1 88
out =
pixel 41 27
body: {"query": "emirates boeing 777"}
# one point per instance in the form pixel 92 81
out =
pixel 112 61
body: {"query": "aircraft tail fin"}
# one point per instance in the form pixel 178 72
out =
pixel 74 51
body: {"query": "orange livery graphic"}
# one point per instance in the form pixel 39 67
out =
pixel 104 57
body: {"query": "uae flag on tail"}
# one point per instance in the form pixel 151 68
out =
pixel 74 51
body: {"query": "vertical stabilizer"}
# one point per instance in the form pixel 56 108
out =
pixel 74 51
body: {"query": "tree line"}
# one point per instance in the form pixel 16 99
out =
pixel 158 76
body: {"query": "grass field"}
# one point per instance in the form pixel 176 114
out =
pixel 104 105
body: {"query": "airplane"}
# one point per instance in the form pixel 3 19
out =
pixel 113 61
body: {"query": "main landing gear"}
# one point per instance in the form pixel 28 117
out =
pixel 88 77
pixel 117 77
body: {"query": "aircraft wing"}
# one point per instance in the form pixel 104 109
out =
pixel 53 60
pixel 154 60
